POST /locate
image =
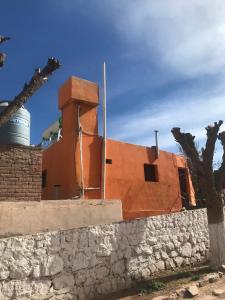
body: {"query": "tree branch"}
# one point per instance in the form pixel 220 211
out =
pixel 4 39
pixel 212 134
pixel 220 174
pixel 2 59
pixel 186 140
pixel 3 55
pixel 39 78
pixel 207 156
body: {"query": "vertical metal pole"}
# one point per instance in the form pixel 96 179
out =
pixel 156 143
pixel 81 152
pixel 103 183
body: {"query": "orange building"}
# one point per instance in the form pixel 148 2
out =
pixel 146 184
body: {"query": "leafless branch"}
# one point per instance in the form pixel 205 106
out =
pixel 3 55
pixel 4 39
pixel 207 156
pixel 220 178
pixel 39 78
pixel 212 134
pixel 2 59
pixel 186 140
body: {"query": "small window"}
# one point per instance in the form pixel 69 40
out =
pixel 108 161
pixel 44 178
pixel 151 173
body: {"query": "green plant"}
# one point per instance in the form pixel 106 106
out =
pixel 153 287
pixel 195 277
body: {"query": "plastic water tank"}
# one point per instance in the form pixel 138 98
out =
pixel 17 129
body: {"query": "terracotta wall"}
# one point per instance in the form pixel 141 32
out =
pixel 20 173
pixel 61 161
pixel 125 178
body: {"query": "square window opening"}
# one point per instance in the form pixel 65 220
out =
pixel 108 161
pixel 151 173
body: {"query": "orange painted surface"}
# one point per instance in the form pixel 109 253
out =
pixel 77 89
pixel 125 178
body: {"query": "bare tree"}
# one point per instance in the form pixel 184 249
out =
pixel 211 183
pixel 39 77
pixel 3 55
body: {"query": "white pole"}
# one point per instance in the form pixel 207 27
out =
pixel 81 153
pixel 156 143
pixel 103 183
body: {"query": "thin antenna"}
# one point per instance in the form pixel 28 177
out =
pixel 156 143
pixel 103 183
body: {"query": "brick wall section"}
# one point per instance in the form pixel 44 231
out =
pixel 20 173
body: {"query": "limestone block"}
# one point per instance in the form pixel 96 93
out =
pixel 7 288
pixel 213 277
pixel 23 289
pixel 178 261
pixel 81 261
pixel 63 280
pixel 186 250
pixel 152 241
pixel 101 272
pixel 152 268
pixel 192 290
pixel 144 249
pixel 20 268
pixel 164 255
pixel 169 264
pixel 2 247
pixel 173 254
pixel 36 271
pixel 4 271
pixel 169 246
pixel 160 265
pixel 41 286
pixel 118 268
pixel 52 265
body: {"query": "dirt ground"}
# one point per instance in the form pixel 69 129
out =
pixel 205 293
pixel 170 285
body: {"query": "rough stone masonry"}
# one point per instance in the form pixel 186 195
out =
pixel 89 262
pixel 20 173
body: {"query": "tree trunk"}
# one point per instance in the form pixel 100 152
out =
pixel 216 235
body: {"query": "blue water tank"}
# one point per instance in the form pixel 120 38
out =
pixel 17 129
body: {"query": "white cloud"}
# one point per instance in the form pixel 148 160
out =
pixel 191 116
pixel 186 39
pixel 186 36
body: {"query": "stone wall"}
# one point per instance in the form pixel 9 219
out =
pixel 20 173
pixel 89 262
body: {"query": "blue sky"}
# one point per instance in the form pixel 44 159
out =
pixel 165 61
